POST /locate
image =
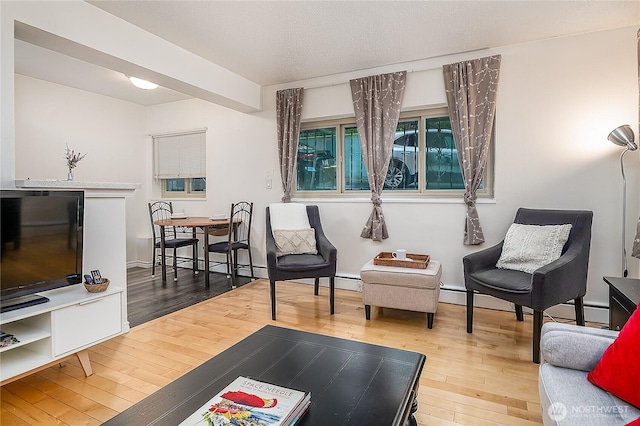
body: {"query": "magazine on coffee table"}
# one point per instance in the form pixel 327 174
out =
pixel 248 401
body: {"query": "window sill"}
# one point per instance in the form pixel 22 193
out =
pixel 183 199
pixel 390 200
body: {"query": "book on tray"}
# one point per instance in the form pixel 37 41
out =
pixel 249 402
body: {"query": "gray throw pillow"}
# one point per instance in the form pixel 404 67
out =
pixel 529 247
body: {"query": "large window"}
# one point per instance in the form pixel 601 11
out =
pixel 316 162
pixel 180 164
pixel 424 160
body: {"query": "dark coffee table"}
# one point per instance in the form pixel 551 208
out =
pixel 351 383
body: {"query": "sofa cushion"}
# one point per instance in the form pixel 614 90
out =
pixel 567 398
pixel 578 348
pixel 529 247
pixel 402 277
pixel 504 280
pixel 302 262
pixel 619 369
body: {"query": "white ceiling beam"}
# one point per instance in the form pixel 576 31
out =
pixel 82 31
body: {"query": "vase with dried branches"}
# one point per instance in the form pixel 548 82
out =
pixel 72 160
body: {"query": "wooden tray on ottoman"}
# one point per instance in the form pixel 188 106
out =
pixel 418 261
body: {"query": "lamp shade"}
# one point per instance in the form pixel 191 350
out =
pixel 623 136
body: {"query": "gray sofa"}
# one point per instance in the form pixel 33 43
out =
pixel 568 353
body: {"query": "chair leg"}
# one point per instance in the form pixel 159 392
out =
pixel 272 286
pixel 236 267
pixel 233 260
pixel 153 261
pixel 537 330
pixel 469 311
pixel 316 286
pixel 519 313
pixel 579 311
pixel 332 298
pixel 251 264
pixel 367 312
pixel 228 264
pixel 175 264
pixel 194 258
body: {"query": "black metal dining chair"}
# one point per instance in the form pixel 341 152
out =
pixel 238 238
pixel 174 239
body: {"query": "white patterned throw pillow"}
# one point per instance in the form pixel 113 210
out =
pixel 529 247
pixel 295 241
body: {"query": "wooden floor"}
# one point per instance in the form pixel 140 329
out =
pixel 149 298
pixel 484 378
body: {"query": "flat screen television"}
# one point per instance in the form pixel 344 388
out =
pixel 42 236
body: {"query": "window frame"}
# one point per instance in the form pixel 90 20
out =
pixel 187 193
pixel 486 192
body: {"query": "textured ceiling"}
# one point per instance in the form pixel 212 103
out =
pixel 273 42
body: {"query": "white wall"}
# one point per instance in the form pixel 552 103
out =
pixel 558 99
pixel 240 148
pixel 111 132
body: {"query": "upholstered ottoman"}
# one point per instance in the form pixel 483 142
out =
pixel 401 288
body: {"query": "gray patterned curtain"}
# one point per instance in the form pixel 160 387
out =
pixel 471 96
pixel 288 111
pixel 635 251
pixel 376 101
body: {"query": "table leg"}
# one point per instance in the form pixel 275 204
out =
pixel 411 420
pixel 194 254
pixel 163 255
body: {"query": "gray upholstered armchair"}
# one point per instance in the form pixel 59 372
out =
pixel 295 266
pixel 560 281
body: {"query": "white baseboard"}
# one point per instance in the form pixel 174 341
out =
pixel 139 264
pixel 564 311
pixel 456 296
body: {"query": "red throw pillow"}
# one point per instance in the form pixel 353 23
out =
pixel 618 371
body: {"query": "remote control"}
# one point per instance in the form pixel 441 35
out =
pixel 96 276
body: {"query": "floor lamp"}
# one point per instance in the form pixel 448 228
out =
pixel 623 136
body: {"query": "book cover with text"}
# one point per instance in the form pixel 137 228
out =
pixel 247 402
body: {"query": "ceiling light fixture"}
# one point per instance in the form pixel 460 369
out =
pixel 142 84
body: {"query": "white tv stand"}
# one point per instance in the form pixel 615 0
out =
pixel 74 319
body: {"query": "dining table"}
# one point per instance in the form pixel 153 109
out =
pixel 207 224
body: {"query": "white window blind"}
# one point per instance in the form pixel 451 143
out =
pixel 180 155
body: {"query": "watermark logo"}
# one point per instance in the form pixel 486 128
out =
pixel 557 411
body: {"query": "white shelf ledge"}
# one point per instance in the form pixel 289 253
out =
pixel 95 189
